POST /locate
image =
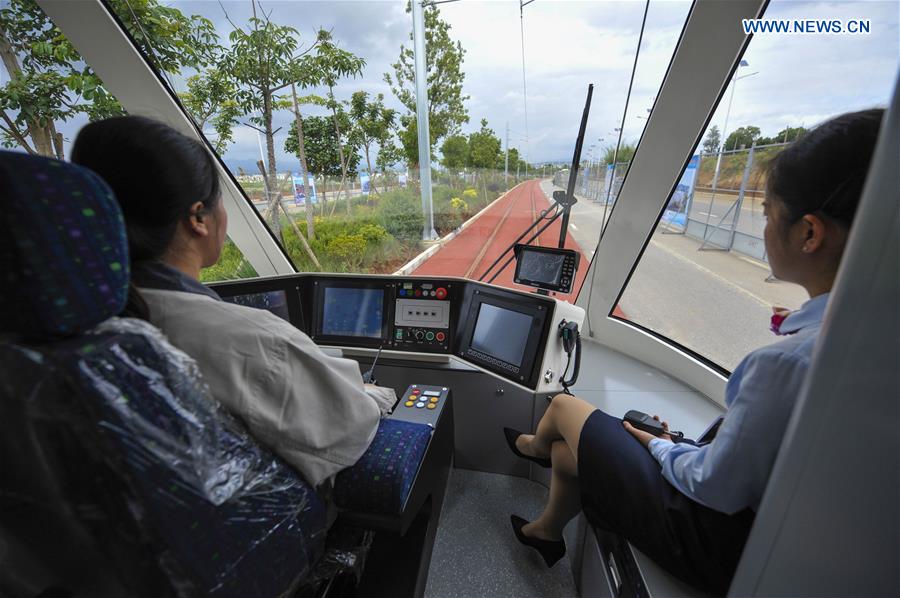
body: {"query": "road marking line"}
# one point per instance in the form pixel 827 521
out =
pixel 726 281
pixel 754 262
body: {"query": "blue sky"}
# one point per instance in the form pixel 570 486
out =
pixel 568 44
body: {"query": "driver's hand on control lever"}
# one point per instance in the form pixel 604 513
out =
pixel 385 397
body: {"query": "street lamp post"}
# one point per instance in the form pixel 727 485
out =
pixel 418 14
pixel 734 81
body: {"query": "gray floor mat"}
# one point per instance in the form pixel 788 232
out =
pixel 476 553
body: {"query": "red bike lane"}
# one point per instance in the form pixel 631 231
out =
pixel 475 248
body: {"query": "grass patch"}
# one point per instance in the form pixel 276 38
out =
pixel 231 266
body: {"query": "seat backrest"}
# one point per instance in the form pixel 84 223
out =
pixel 829 523
pixel 119 474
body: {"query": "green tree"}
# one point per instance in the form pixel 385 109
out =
pixel 785 135
pixel 484 147
pixel 712 141
pixel 624 155
pixel 323 154
pixel 742 136
pixel 262 61
pixel 210 100
pixel 455 152
pixel 388 156
pixel 409 139
pixel 444 74
pixel 326 67
pixel 372 124
pixel 47 82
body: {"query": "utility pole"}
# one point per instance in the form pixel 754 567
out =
pixel 724 136
pixel 418 14
pixel 522 5
pixel 506 161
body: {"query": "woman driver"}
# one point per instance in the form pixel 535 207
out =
pixel 310 408
pixel 691 507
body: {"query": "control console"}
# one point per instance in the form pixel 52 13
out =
pixel 422 316
pixel 422 404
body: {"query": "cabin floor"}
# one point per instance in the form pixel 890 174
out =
pixel 476 553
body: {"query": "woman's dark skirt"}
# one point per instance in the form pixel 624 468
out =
pixel 623 491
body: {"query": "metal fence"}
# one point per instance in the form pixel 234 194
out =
pixel 724 210
pixel 592 181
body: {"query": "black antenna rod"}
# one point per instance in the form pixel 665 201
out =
pixel 573 173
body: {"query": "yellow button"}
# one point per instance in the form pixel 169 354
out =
pixel 434 399
pixel 409 403
pixel 431 405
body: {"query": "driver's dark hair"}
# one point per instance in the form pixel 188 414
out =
pixel 825 169
pixel 156 173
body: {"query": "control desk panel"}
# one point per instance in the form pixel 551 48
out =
pixel 422 315
pixel 512 334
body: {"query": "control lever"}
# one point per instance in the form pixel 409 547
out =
pixel 369 376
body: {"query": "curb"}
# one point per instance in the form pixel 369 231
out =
pixel 417 261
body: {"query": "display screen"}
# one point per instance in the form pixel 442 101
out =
pixel 541 267
pixel 353 312
pixel 501 333
pixel 273 301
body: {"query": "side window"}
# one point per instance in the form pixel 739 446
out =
pixel 48 92
pixel 703 280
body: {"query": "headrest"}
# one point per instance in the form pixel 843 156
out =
pixel 63 250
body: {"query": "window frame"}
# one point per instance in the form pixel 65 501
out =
pixel 683 109
pixel 128 75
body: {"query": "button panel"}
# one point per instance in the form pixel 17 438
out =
pixel 422 404
pixel 422 311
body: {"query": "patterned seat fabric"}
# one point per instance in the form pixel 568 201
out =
pixel 380 481
pixel 63 251
pixel 119 475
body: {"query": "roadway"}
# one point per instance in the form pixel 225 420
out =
pixel 716 303
pixel 471 252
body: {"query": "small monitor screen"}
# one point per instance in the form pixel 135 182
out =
pixel 501 333
pixel 273 301
pixel 541 267
pixel 353 312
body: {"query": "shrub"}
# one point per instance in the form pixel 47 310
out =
pixel 400 214
pixel 372 233
pixel 349 248
pixel 459 205
pixel 470 193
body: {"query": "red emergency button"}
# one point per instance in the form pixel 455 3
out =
pixel 440 336
pixel 441 293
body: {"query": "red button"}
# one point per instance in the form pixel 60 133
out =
pixel 440 337
pixel 441 293
pixel 418 292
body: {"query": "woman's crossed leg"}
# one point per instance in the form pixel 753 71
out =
pixel 557 437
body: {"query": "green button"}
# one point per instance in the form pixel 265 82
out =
pixel 429 336
pixel 399 334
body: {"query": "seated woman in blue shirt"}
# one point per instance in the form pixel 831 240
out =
pixel 691 507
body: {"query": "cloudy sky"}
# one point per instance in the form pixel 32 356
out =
pixel 796 80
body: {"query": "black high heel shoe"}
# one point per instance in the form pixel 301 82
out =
pixel 550 551
pixel 511 436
